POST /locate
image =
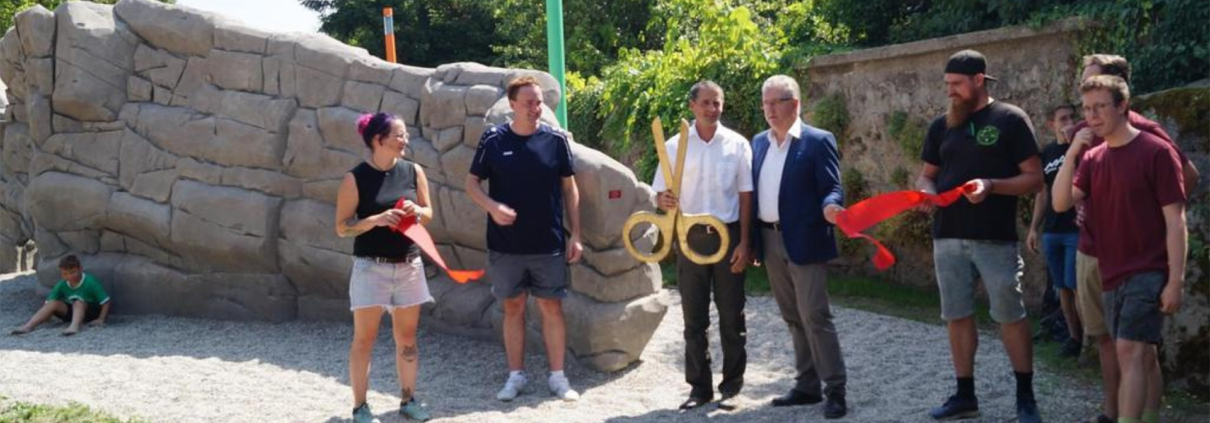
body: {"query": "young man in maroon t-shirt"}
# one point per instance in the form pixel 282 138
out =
pixel 1134 185
pixel 1088 276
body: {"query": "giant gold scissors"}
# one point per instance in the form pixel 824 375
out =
pixel 674 223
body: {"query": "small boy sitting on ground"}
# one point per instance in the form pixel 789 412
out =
pixel 75 299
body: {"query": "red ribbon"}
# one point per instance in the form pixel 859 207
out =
pixel 412 229
pixel 872 211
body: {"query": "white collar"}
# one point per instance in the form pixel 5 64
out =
pixel 794 133
pixel 717 132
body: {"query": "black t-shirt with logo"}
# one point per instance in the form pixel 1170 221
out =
pixel 990 145
pixel 1052 159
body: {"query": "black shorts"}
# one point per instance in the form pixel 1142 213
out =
pixel 92 312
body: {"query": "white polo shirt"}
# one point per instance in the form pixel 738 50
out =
pixel 770 173
pixel 715 173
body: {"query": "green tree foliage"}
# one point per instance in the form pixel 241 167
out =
pixel 1165 40
pixel 427 32
pixel 594 31
pixel 706 40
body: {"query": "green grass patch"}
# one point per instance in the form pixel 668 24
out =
pixel 21 412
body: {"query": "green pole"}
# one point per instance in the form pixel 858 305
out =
pixel 554 49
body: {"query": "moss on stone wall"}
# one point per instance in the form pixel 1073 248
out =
pixel 1188 107
pixel 908 132
pixel 855 189
pixel 901 178
pixel 832 114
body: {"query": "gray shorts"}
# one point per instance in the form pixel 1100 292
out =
pixel 1132 311
pixel 542 275
pixel 387 285
pixel 959 261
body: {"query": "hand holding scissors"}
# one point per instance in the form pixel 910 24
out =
pixel 673 223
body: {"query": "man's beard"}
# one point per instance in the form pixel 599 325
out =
pixel 959 111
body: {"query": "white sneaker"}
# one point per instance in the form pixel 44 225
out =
pixel 513 386
pixel 561 388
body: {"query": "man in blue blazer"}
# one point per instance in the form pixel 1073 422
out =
pixel 796 179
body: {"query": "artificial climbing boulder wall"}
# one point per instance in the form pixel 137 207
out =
pixel 193 162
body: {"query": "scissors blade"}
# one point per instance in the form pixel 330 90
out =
pixel 681 146
pixel 662 151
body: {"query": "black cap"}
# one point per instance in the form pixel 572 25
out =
pixel 968 62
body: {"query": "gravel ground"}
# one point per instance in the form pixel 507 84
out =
pixel 168 369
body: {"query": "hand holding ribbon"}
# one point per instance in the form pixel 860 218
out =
pixel 412 229
pixel 872 211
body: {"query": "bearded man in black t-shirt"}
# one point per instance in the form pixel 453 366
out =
pixel 991 145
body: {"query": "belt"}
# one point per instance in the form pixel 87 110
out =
pixel 387 260
pixel 732 227
pixel 774 226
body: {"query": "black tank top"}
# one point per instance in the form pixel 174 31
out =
pixel 377 191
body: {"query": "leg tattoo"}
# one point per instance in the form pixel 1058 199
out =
pixel 410 353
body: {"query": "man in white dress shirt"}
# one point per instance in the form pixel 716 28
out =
pixel 717 181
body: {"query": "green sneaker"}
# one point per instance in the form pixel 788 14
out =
pixel 362 414
pixel 414 410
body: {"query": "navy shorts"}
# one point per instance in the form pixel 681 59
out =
pixel 541 275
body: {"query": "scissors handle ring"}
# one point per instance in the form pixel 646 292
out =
pixel 664 223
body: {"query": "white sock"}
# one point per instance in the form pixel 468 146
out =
pixel 516 373
pixel 556 374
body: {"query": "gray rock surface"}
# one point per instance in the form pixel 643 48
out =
pixel 195 163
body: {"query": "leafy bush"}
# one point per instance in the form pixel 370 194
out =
pixel 707 40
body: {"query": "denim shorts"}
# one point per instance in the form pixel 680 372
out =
pixel 959 261
pixel 1132 311
pixel 1060 251
pixel 541 275
pixel 387 285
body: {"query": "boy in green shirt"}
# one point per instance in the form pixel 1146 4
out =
pixel 76 298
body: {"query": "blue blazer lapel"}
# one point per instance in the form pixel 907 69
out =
pixel 792 163
pixel 761 147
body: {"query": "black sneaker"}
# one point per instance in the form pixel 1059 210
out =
pixel 1027 411
pixel 956 408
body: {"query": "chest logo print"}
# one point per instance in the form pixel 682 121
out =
pixel 988 136
pixel 508 153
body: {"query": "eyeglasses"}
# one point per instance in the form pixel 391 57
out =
pixel 1096 109
pixel 771 103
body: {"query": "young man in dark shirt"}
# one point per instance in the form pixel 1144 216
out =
pixel 529 165
pixel 991 145
pixel 1057 233
pixel 1133 185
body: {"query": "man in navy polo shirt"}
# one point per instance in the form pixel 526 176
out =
pixel 530 168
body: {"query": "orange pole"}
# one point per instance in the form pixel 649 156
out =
pixel 388 31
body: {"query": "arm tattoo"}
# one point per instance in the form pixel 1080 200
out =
pixel 409 353
pixel 350 230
